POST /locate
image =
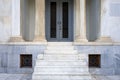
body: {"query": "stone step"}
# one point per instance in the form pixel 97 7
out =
pixel 62 66
pixel 61 69
pixel 61 77
pixel 61 63
pixel 61 57
pixel 60 48
pixel 60 43
pixel 61 73
pixel 60 52
pixel 81 66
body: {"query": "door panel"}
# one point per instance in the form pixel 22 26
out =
pixel 53 20
pixel 59 20
pixel 65 20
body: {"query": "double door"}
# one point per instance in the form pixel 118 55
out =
pixel 59 20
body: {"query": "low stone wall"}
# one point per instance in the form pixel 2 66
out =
pixel 110 58
pixel 10 57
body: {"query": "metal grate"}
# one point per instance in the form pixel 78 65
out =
pixel 26 60
pixel 95 60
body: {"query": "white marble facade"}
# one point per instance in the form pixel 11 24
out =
pixel 109 30
pixel 10 19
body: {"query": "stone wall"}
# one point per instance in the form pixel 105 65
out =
pixel 114 19
pixel 110 19
pixel 5 19
pixel 110 58
pixel 10 57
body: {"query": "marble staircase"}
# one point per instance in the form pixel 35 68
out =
pixel 61 62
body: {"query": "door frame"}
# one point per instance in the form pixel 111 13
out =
pixel 70 21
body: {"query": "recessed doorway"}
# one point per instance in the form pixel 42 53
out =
pixel 59 20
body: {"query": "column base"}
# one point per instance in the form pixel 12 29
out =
pixel 104 39
pixel 79 39
pixel 16 39
pixel 40 39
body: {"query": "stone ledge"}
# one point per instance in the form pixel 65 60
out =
pixel 23 43
pixel 74 43
pixel 96 43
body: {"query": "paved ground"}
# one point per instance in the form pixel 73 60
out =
pixel 15 76
pixel 114 77
pixel 28 77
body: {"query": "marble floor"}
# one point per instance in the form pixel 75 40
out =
pixel 29 76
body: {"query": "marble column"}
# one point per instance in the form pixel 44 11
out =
pixel 16 25
pixel 80 21
pixel 104 32
pixel 40 21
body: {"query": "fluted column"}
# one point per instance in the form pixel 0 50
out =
pixel 40 21
pixel 80 21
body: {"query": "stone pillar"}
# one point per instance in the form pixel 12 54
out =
pixel 16 29
pixel 40 21
pixel 80 21
pixel 104 32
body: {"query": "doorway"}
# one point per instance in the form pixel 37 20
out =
pixel 59 20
